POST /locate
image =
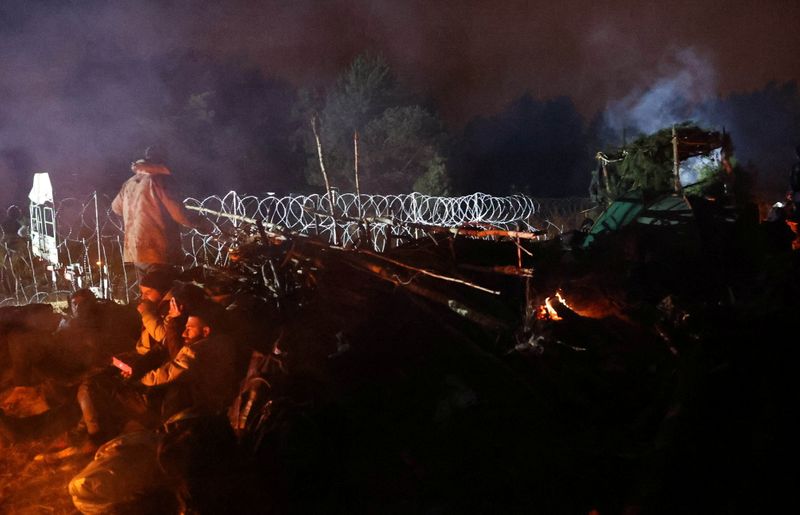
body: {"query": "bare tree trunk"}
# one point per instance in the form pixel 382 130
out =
pixel 324 176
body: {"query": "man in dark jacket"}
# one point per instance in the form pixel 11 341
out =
pixel 205 367
pixel 132 470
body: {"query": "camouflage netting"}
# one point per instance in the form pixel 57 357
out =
pixel 646 165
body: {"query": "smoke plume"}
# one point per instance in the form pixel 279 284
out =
pixel 671 95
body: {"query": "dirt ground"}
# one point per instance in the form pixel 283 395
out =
pixel 28 485
pixel 671 388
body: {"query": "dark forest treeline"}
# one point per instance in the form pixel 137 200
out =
pixel 227 125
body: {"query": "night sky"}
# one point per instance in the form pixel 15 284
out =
pixel 468 57
pixel 475 56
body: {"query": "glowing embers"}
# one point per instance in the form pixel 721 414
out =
pixel 548 311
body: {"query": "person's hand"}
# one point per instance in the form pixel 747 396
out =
pixel 175 309
pixel 144 305
pixel 124 369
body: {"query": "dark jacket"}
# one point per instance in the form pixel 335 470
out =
pixel 208 369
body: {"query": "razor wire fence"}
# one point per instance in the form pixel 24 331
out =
pixel 559 215
pixel 349 220
pixel 89 236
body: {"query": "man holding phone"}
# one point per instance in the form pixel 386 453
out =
pixel 205 369
pixel 101 397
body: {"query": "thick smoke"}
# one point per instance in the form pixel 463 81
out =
pixel 87 86
pixel 671 95
pixel 79 94
pixel 764 124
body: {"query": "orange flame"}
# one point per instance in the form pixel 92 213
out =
pixel 547 312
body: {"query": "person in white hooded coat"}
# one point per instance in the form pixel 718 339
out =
pixel 151 217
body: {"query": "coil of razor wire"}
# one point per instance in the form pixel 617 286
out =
pixel 90 236
pixel 341 217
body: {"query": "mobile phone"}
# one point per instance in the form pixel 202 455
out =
pixel 121 365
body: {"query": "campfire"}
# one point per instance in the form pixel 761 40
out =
pixel 547 312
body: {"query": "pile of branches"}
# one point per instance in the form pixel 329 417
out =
pixel 429 378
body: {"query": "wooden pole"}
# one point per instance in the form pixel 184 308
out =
pixel 100 262
pixel 355 169
pixel 358 189
pixel 676 162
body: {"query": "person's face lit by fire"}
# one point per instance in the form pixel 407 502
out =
pixel 82 303
pixel 79 306
pixel 150 294
pixel 196 329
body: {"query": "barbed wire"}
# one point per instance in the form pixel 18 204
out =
pixel 90 235
pixel 385 217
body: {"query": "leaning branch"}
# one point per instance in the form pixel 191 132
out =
pixel 455 306
pixel 427 272
pixel 275 231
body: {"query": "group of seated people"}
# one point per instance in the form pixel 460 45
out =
pixel 181 360
pixel 132 375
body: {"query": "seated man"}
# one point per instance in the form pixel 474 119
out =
pixel 31 342
pixel 205 368
pixel 51 355
pixel 185 298
pixel 153 308
pixel 105 401
pixel 87 338
pixel 83 340
pixel 126 473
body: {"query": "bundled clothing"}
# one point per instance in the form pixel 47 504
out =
pixel 152 217
pixel 207 370
pixel 80 344
pixel 155 326
pixel 106 399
